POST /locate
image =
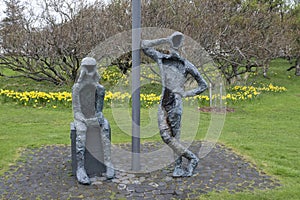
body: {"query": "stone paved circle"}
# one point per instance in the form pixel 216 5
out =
pixel 45 173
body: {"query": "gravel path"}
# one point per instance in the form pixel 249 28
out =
pixel 45 173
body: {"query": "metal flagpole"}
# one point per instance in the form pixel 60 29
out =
pixel 136 60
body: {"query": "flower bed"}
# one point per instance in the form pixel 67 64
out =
pixel 40 99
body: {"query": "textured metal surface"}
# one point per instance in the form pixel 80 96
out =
pixel 174 71
pixel 92 134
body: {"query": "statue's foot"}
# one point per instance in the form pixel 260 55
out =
pixel 178 171
pixel 191 167
pixel 82 177
pixel 110 172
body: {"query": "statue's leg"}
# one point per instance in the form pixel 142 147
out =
pixel 169 124
pixel 105 135
pixel 81 174
pixel 181 151
pixel 174 121
pixel 193 162
pixel 178 170
pixel 172 141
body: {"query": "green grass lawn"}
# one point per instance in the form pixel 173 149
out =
pixel 266 131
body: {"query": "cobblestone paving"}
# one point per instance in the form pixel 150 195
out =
pixel 46 173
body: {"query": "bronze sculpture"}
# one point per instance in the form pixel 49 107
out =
pixel 87 101
pixel 174 70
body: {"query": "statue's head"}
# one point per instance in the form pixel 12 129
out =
pixel 88 69
pixel 176 40
pixel 88 62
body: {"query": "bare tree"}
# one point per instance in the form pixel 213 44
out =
pixel 292 50
pixel 241 36
pixel 49 46
pixel 12 33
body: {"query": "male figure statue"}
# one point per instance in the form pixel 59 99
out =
pixel 174 70
pixel 88 100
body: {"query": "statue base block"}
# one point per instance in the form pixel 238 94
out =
pixel 94 155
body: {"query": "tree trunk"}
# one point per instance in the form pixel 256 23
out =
pixel 297 72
